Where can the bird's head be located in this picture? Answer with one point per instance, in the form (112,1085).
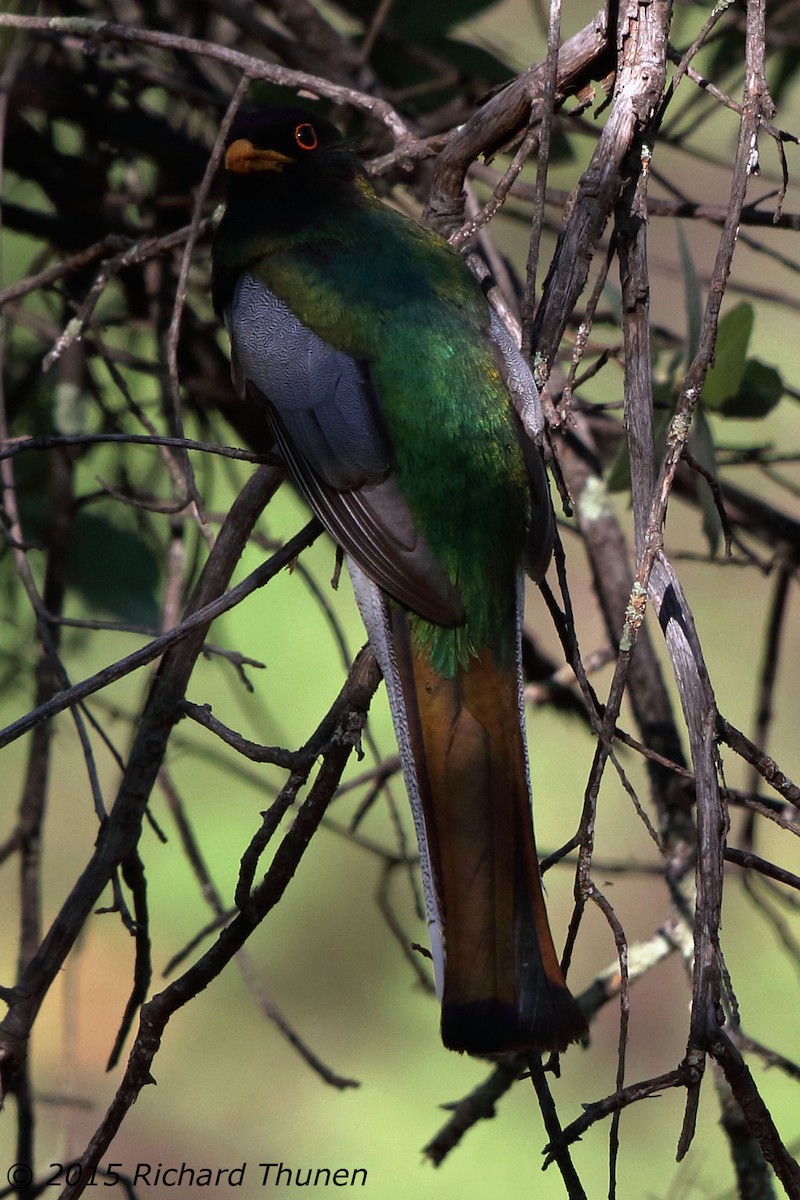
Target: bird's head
(299,146)
(288,171)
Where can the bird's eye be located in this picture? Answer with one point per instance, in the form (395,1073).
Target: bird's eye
(306,136)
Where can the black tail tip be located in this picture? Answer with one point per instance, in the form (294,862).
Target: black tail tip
(491,1026)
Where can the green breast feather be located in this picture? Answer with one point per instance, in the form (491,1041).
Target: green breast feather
(397,299)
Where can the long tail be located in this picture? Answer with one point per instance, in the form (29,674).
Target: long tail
(463,753)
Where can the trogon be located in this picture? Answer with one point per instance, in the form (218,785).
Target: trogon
(403,410)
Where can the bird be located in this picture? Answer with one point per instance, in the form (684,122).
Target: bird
(407,417)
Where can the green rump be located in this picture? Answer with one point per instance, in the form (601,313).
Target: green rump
(401,302)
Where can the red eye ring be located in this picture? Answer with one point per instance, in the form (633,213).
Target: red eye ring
(306,136)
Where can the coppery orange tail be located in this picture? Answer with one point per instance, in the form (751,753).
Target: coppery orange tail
(461,744)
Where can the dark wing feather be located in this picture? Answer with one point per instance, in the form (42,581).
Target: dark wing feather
(320,393)
(326,421)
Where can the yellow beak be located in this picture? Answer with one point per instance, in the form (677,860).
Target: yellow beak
(242,157)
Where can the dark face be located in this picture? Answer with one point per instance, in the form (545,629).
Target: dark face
(280,139)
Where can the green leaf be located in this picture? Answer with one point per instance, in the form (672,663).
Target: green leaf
(733,337)
(473,61)
(701,446)
(433,85)
(114,569)
(784,73)
(421,20)
(760,389)
(691,292)
(618,478)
